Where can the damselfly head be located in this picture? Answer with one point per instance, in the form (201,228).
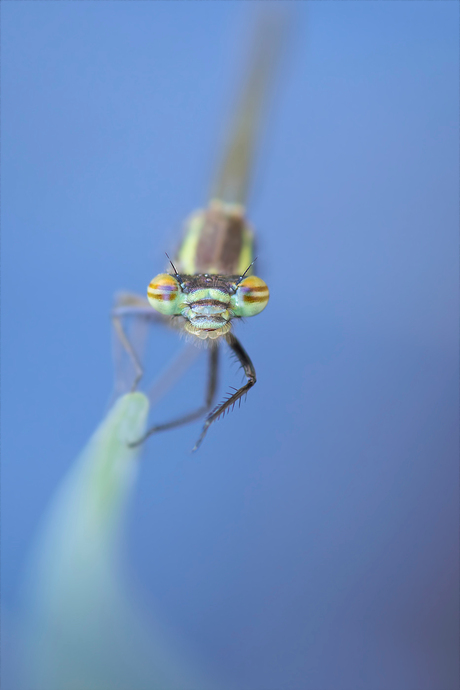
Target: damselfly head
(206,302)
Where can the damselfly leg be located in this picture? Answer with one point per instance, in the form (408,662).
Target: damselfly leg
(213,365)
(230,402)
(129,304)
(132,305)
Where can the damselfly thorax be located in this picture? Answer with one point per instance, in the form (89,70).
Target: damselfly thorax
(209,284)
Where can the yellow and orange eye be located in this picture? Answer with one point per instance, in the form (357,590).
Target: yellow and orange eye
(164,294)
(251,297)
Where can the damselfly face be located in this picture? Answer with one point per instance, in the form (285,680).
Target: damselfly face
(207,303)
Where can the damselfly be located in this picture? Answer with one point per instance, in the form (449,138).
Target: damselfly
(210,283)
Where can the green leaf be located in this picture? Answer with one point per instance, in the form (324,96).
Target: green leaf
(83,631)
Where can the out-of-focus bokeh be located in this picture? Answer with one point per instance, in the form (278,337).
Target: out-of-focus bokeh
(312,543)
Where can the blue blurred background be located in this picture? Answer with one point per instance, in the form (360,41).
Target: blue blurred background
(312,543)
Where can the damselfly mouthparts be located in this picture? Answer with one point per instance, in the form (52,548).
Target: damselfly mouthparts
(209,283)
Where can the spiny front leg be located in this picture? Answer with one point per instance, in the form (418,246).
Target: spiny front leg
(250,373)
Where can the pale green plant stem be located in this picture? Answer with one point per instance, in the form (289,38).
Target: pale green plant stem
(82,631)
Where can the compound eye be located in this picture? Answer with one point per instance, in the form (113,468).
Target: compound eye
(251,297)
(163,294)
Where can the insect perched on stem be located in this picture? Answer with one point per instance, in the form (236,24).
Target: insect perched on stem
(211,282)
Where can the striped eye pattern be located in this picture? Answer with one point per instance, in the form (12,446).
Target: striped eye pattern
(251,297)
(164,293)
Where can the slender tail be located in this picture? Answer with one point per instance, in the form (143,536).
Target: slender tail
(233,181)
